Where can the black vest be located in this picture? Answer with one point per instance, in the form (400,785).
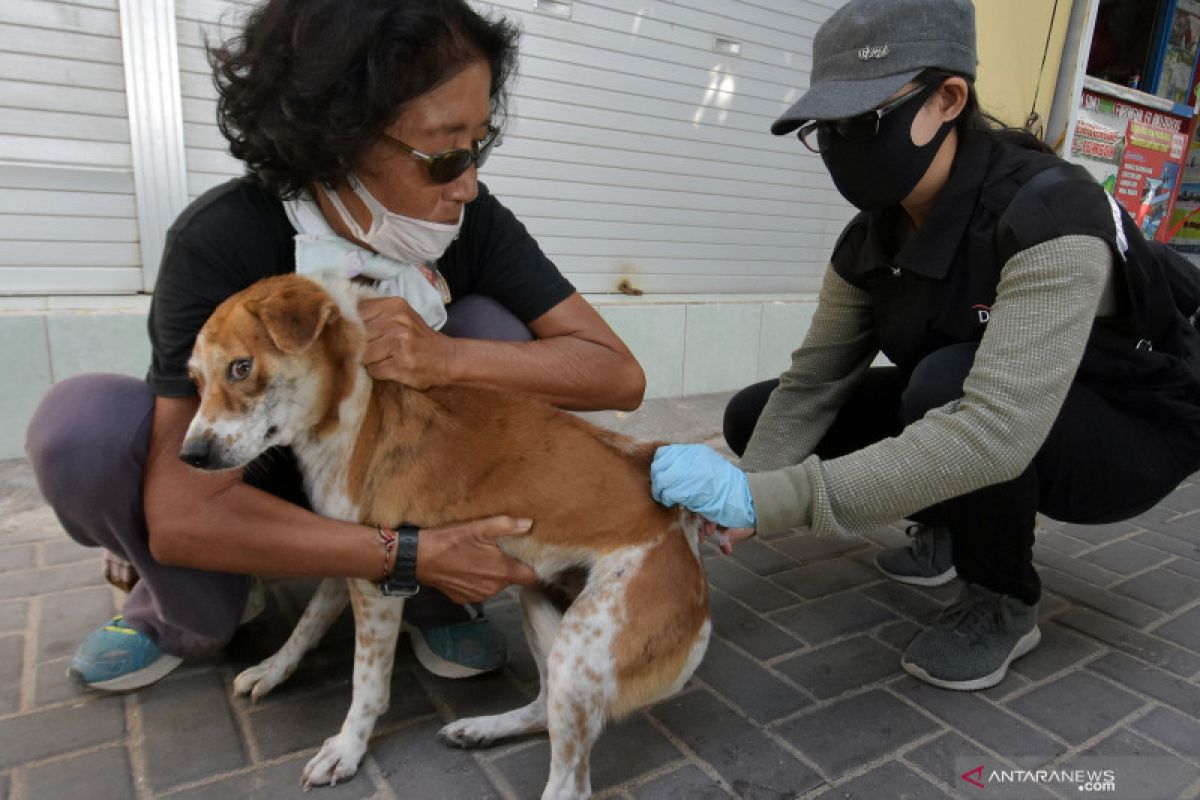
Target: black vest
(938,288)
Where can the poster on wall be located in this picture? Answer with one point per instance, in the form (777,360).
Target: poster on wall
(1179,53)
(1136,152)
(1185,218)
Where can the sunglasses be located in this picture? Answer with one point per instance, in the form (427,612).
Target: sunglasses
(448,165)
(864,127)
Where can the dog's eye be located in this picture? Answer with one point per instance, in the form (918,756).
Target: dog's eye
(239,368)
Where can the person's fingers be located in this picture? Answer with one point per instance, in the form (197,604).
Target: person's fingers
(502,525)
(520,573)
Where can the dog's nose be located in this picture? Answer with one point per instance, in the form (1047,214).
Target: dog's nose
(196,452)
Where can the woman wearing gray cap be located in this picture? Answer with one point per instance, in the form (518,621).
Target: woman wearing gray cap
(1044,356)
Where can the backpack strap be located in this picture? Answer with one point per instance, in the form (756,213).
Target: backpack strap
(1007,242)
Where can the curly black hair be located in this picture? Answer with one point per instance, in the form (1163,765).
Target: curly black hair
(308,85)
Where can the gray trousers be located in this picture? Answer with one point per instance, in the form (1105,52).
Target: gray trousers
(87,443)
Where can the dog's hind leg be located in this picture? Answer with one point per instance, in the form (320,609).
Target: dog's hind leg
(377,626)
(322,610)
(541,619)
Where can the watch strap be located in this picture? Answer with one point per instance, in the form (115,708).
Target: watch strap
(402,581)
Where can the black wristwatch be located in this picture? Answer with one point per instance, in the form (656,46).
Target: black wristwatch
(402,582)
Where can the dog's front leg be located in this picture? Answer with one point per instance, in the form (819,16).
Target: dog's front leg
(377,625)
(319,614)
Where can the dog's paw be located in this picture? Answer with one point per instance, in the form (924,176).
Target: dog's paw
(337,760)
(467,733)
(257,681)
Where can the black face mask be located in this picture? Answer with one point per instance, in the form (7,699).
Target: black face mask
(884,170)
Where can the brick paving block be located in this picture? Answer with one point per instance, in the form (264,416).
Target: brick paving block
(890,780)
(67,617)
(100,774)
(1126,557)
(848,733)
(749,761)
(994,728)
(190,732)
(493,693)
(754,634)
(51,684)
(944,595)
(1059,650)
(1011,683)
(304,721)
(1123,608)
(1139,676)
(760,558)
(1061,542)
(1116,634)
(1183,630)
(1184,499)
(1077,706)
(948,757)
(899,597)
(416,764)
(888,536)
(825,577)
(898,635)
(32,525)
(13,615)
(68,551)
(758,593)
(1183,529)
(1183,566)
(1162,588)
(12,660)
(822,620)
(1169,544)
(1075,567)
(1178,732)
(838,668)
(1145,770)
(688,783)
(745,683)
(1098,534)
(17,556)
(805,547)
(30,582)
(32,737)
(625,750)
(280,780)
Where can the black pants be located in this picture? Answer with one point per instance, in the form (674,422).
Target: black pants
(1100,463)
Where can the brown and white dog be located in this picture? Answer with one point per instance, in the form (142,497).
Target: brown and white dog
(279,364)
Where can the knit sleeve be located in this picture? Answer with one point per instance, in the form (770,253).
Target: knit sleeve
(1041,320)
(839,347)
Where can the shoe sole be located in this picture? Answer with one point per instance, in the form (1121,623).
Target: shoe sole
(916,580)
(161,667)
(434,663)
(1023,646)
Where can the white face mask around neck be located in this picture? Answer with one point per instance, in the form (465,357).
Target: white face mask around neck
(406,239)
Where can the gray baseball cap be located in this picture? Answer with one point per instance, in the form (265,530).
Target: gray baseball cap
(868,49)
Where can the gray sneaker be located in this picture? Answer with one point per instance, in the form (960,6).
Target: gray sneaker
(973,641)
(925,562)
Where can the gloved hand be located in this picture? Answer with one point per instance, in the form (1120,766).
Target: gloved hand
(696,477)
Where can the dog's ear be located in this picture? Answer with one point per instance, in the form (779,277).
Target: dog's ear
(295,316)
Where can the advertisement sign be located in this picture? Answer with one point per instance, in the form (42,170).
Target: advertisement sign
(1185,218)
(1136,152)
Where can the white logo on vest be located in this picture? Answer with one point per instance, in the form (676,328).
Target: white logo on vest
(868,52)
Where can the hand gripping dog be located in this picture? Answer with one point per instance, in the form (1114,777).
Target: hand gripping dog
(279,364)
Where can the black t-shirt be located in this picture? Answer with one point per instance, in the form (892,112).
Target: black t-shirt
(238,233)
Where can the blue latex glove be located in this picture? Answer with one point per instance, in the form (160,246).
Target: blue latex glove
(696,477)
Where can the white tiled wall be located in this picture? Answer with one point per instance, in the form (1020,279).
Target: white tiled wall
(685,346)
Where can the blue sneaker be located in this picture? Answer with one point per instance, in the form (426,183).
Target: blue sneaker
(118,658)
(459,650)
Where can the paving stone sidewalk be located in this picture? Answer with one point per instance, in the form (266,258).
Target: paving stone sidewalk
(800,695)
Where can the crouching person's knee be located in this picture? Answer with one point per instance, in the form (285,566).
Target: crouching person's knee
(87,441)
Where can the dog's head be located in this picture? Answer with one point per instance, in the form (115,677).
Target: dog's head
(271,364)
